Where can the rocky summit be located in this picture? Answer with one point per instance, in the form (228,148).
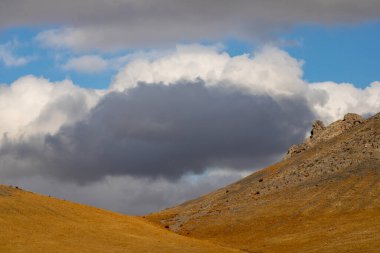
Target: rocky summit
(320,133)
(324,196)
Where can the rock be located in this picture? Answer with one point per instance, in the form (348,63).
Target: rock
(317,128)
(320,132)
(353,119)
(296,149)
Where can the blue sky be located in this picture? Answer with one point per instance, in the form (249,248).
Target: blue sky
(45,62)
(339,54)
(345,53)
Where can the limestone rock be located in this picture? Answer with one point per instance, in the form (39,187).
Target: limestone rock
(321,133)
(318,127)
(353,119)
(296,149)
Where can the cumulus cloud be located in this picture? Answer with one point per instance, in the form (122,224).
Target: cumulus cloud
(156,130)
(130,23)
(33,105)
(269,71)
(345,97)
(86,64)
(192,110)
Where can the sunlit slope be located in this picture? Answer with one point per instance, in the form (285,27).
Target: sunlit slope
(325,199)
(34,223)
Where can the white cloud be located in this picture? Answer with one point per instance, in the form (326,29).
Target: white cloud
(61,38)
(9,58)
(86,64)
(34,105)
(269,71)
(345,97)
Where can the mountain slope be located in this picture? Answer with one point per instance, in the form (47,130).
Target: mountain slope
(323,197)
(34,223)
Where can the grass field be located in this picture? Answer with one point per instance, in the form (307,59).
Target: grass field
(34,223)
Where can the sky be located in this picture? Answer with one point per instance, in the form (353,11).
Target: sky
(135,106)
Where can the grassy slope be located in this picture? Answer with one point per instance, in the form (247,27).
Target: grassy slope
(35,223)
(324,200)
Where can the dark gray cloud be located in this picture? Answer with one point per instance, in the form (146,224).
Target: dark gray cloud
(157,131)
(132,23)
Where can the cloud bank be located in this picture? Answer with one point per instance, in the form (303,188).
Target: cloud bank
(166,120)
(119,24)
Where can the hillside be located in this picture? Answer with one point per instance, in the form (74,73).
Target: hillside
(34,223)
(324,196)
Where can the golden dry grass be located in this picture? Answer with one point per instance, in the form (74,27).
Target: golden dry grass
(326,199)
(35,223)
(338,215)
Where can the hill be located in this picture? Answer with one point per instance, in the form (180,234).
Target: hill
(324,196)
(34,223)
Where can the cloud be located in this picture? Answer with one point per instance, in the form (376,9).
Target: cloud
(131,195)
(345,97)
(164,121)
(9,58)
(61,38)
(34,105)
(86,64)
(268,71)
(38,114)
(167,131)
(134,24)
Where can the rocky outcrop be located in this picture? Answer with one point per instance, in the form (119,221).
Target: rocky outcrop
(317,128)
(321,133)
